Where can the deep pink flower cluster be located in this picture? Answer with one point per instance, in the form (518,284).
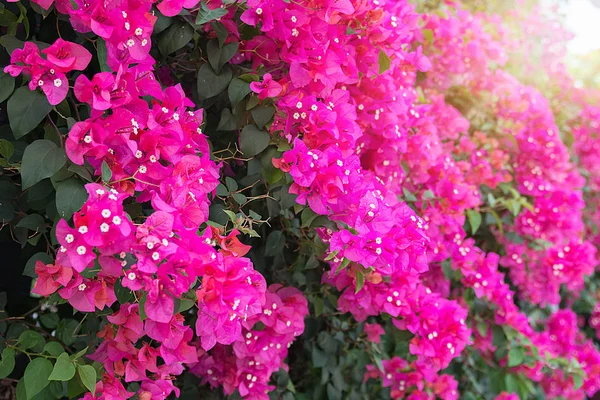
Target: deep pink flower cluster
(407,383)
(257,353)
(156,152)
(49,74)
(342,119)
(364,142)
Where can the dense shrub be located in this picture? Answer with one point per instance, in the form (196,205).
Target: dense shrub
(328,199)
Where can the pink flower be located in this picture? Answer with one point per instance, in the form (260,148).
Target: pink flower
(67,56)
(50,278)
(374,332)
(96,92)
(267,88)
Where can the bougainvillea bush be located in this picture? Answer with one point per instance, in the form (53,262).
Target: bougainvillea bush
(311,199)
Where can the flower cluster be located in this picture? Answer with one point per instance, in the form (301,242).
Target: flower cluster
(445,181)
(49,73)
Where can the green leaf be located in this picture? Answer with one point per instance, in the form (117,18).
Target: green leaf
(175,37)
(210,84)
(239,198)
(30,265)
(275,243)
(31,340)
(262,115)
(408,195)
(33,222)
(360,280)
(474,220)
(63,370)
(87,373)
(221,30)
(70,196)
(53,348)
(205,14)
(26,109)
(7,85)
(232,185)
(36,376)
(49,320)
(142,307)
(41,160)
(512,383)
(319,358)
(81,170)
(319,305)
(345,262)
(106,172)
(238,89)
(253,140)
(80,353)
(185,305)
(7,364)
(7,149)
(162,22)
(577,380)
(102,55)
(227,121)
(516,355)
(65,331)
(219,56)
(384,62)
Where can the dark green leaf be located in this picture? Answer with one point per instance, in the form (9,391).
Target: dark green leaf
(81,170)
(262,115)
(221,30)
(162,22)
(6,148)
(33,222)
(64,369)
(238,89)
(87,373)
(50,320)
(239,198)
(106,172)
(185,305)
(210,84)
(275,243)
(227,121)
(70,196)
(7,364)
(36,376)
(319,358)
(65,331)
(41,160)
(205,14)
(360,280)
(7,85)
(26,109)
(218,56)
(175,37)
(7,18)
(102,55)
(253,140)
